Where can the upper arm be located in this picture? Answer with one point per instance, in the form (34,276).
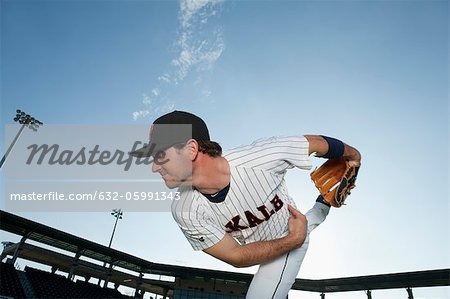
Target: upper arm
(275,154)
(226,250)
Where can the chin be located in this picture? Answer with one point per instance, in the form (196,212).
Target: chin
(176,184)
(172,184)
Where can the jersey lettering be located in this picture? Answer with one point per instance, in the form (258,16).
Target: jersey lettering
(252,219)
(263,210)
(233,225)
(277,203)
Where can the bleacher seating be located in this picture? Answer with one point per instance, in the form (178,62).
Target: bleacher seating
(10,285)
(92,291)
(48,285)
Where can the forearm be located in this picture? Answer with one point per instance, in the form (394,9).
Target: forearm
(264,251)
(319,146)
(235,254)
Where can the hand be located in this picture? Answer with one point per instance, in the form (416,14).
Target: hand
(297,226)
(353,156)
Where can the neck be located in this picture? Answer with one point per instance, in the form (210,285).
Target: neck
(210,175)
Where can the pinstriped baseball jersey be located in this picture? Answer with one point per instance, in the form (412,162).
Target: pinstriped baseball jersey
(255,207)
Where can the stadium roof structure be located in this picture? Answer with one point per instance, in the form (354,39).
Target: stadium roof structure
(56,238)
(81,247)
(429,278)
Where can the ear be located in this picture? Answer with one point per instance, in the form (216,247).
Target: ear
(192,146)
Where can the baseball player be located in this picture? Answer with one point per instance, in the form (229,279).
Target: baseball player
(235,206)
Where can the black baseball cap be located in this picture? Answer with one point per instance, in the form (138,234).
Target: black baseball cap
(170,129)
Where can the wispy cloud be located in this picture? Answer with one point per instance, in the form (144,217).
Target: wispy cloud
(199,45)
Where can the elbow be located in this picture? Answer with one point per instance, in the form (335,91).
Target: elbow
(238,265)
(237,262)
(243,265)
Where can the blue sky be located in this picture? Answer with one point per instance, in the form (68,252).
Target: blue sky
(372,73)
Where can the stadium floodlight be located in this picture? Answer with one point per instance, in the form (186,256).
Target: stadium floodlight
(25,120)
(117,213)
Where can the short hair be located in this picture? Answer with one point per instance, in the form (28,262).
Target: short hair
(211,148)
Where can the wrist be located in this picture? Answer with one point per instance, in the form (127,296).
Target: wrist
(295,240)
(289,242)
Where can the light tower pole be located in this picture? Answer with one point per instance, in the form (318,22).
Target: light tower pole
(117,213)
(25,120)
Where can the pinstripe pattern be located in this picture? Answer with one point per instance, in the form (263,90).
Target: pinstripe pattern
(257,181)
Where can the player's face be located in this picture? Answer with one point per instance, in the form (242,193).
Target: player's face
(174,166)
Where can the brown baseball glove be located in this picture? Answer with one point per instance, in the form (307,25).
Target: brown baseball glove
(335,179)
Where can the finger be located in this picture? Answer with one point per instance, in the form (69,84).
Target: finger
(294,212)
(354,163)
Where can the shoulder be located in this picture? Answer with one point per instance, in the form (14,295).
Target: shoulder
(268,142)
(189,206)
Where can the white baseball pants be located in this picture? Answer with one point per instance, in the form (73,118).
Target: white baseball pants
(273,280)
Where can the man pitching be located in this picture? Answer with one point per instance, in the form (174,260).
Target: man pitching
(235,206)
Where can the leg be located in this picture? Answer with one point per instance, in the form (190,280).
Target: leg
(274,279)
(316,215)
